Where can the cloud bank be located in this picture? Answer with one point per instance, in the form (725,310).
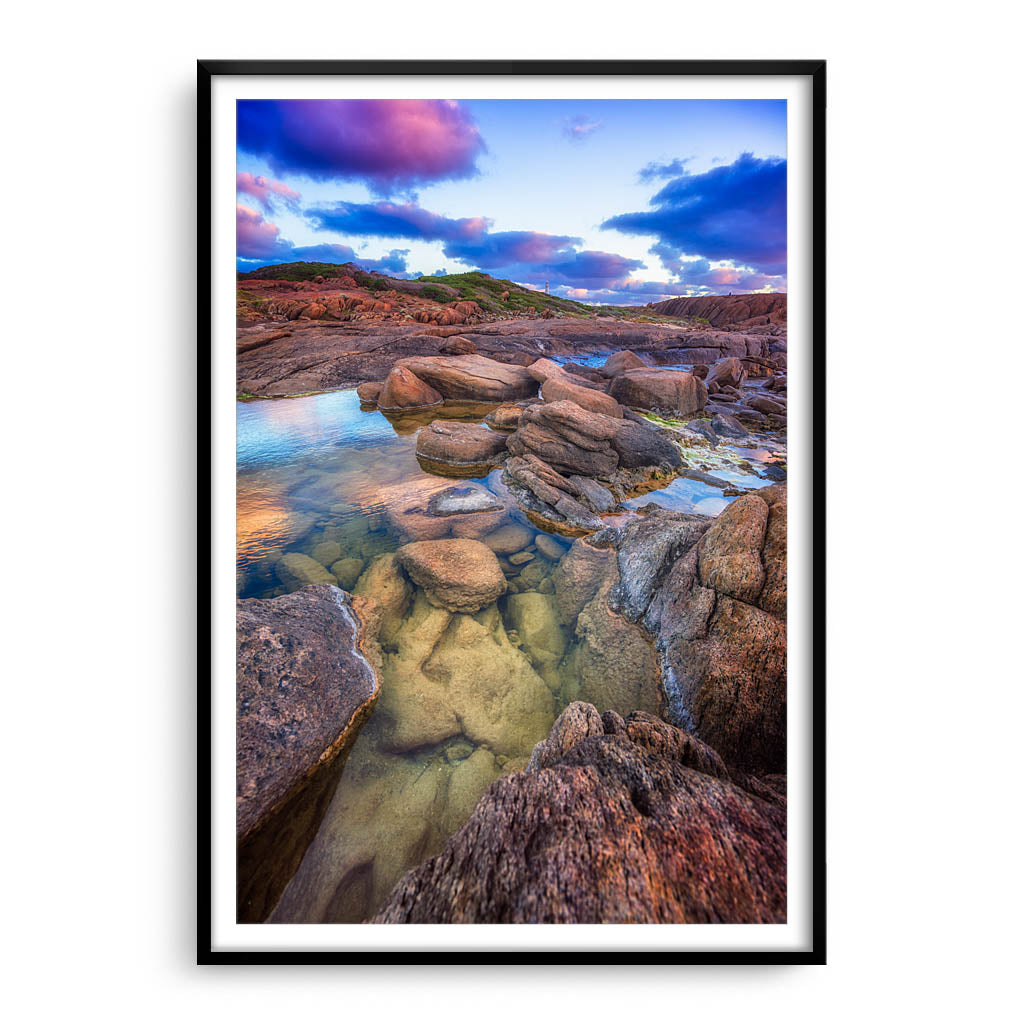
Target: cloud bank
(392,145)
(259,244)
(736,212)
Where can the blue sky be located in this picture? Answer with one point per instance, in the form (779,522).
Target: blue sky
(610,201)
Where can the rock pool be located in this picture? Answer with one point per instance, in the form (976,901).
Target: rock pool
(327,492)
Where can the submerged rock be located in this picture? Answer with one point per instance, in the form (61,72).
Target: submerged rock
(296,570)
(467,498)
(459,575)
(620,820)
(303,690)
(347,571)
(534,617)
(509,539)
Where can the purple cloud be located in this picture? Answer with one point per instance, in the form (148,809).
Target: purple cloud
(389,220)
(586,269)
(650,172)
(502,248)
(578,128)
(259,244)
(266,191)
(736,212)
(392,145)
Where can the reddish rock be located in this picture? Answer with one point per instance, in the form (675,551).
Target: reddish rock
(303,690)
(402,389)
(458,346)
(458,575)
(618,821)
(472,377)
(722,310)
(567,437)
(727,372)
(719,616)
(505,417)
(369,391)
(671,391)
(620,361)
(560,388)
(460,444)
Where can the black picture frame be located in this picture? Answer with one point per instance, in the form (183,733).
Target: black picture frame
(815,70)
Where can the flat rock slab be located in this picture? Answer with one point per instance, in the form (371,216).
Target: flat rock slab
(472,377)
(454,443)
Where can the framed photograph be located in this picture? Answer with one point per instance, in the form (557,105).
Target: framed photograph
(509,652)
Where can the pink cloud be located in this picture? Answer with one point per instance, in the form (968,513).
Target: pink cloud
(265,190)
(256,238)
(393,145)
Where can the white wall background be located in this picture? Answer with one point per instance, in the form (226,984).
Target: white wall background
(924,516)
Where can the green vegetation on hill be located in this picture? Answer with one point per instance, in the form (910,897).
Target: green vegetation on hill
(486,292)
(299,272)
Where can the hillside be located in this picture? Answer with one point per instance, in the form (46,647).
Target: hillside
(345,291)
(727,310)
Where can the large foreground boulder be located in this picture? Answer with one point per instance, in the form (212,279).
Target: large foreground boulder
(712,594)
(303,691)
(458,575)
(672,391)
(616,821)
(472,377)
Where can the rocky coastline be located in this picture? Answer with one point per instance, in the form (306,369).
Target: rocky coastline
(570,706)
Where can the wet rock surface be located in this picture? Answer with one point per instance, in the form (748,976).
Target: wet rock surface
(303,690)
(451,443)
(619,819)
(459,575)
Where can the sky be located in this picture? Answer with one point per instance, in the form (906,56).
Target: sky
(605,201)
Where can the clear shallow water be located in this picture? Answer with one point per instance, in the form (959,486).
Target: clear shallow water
(464,698)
